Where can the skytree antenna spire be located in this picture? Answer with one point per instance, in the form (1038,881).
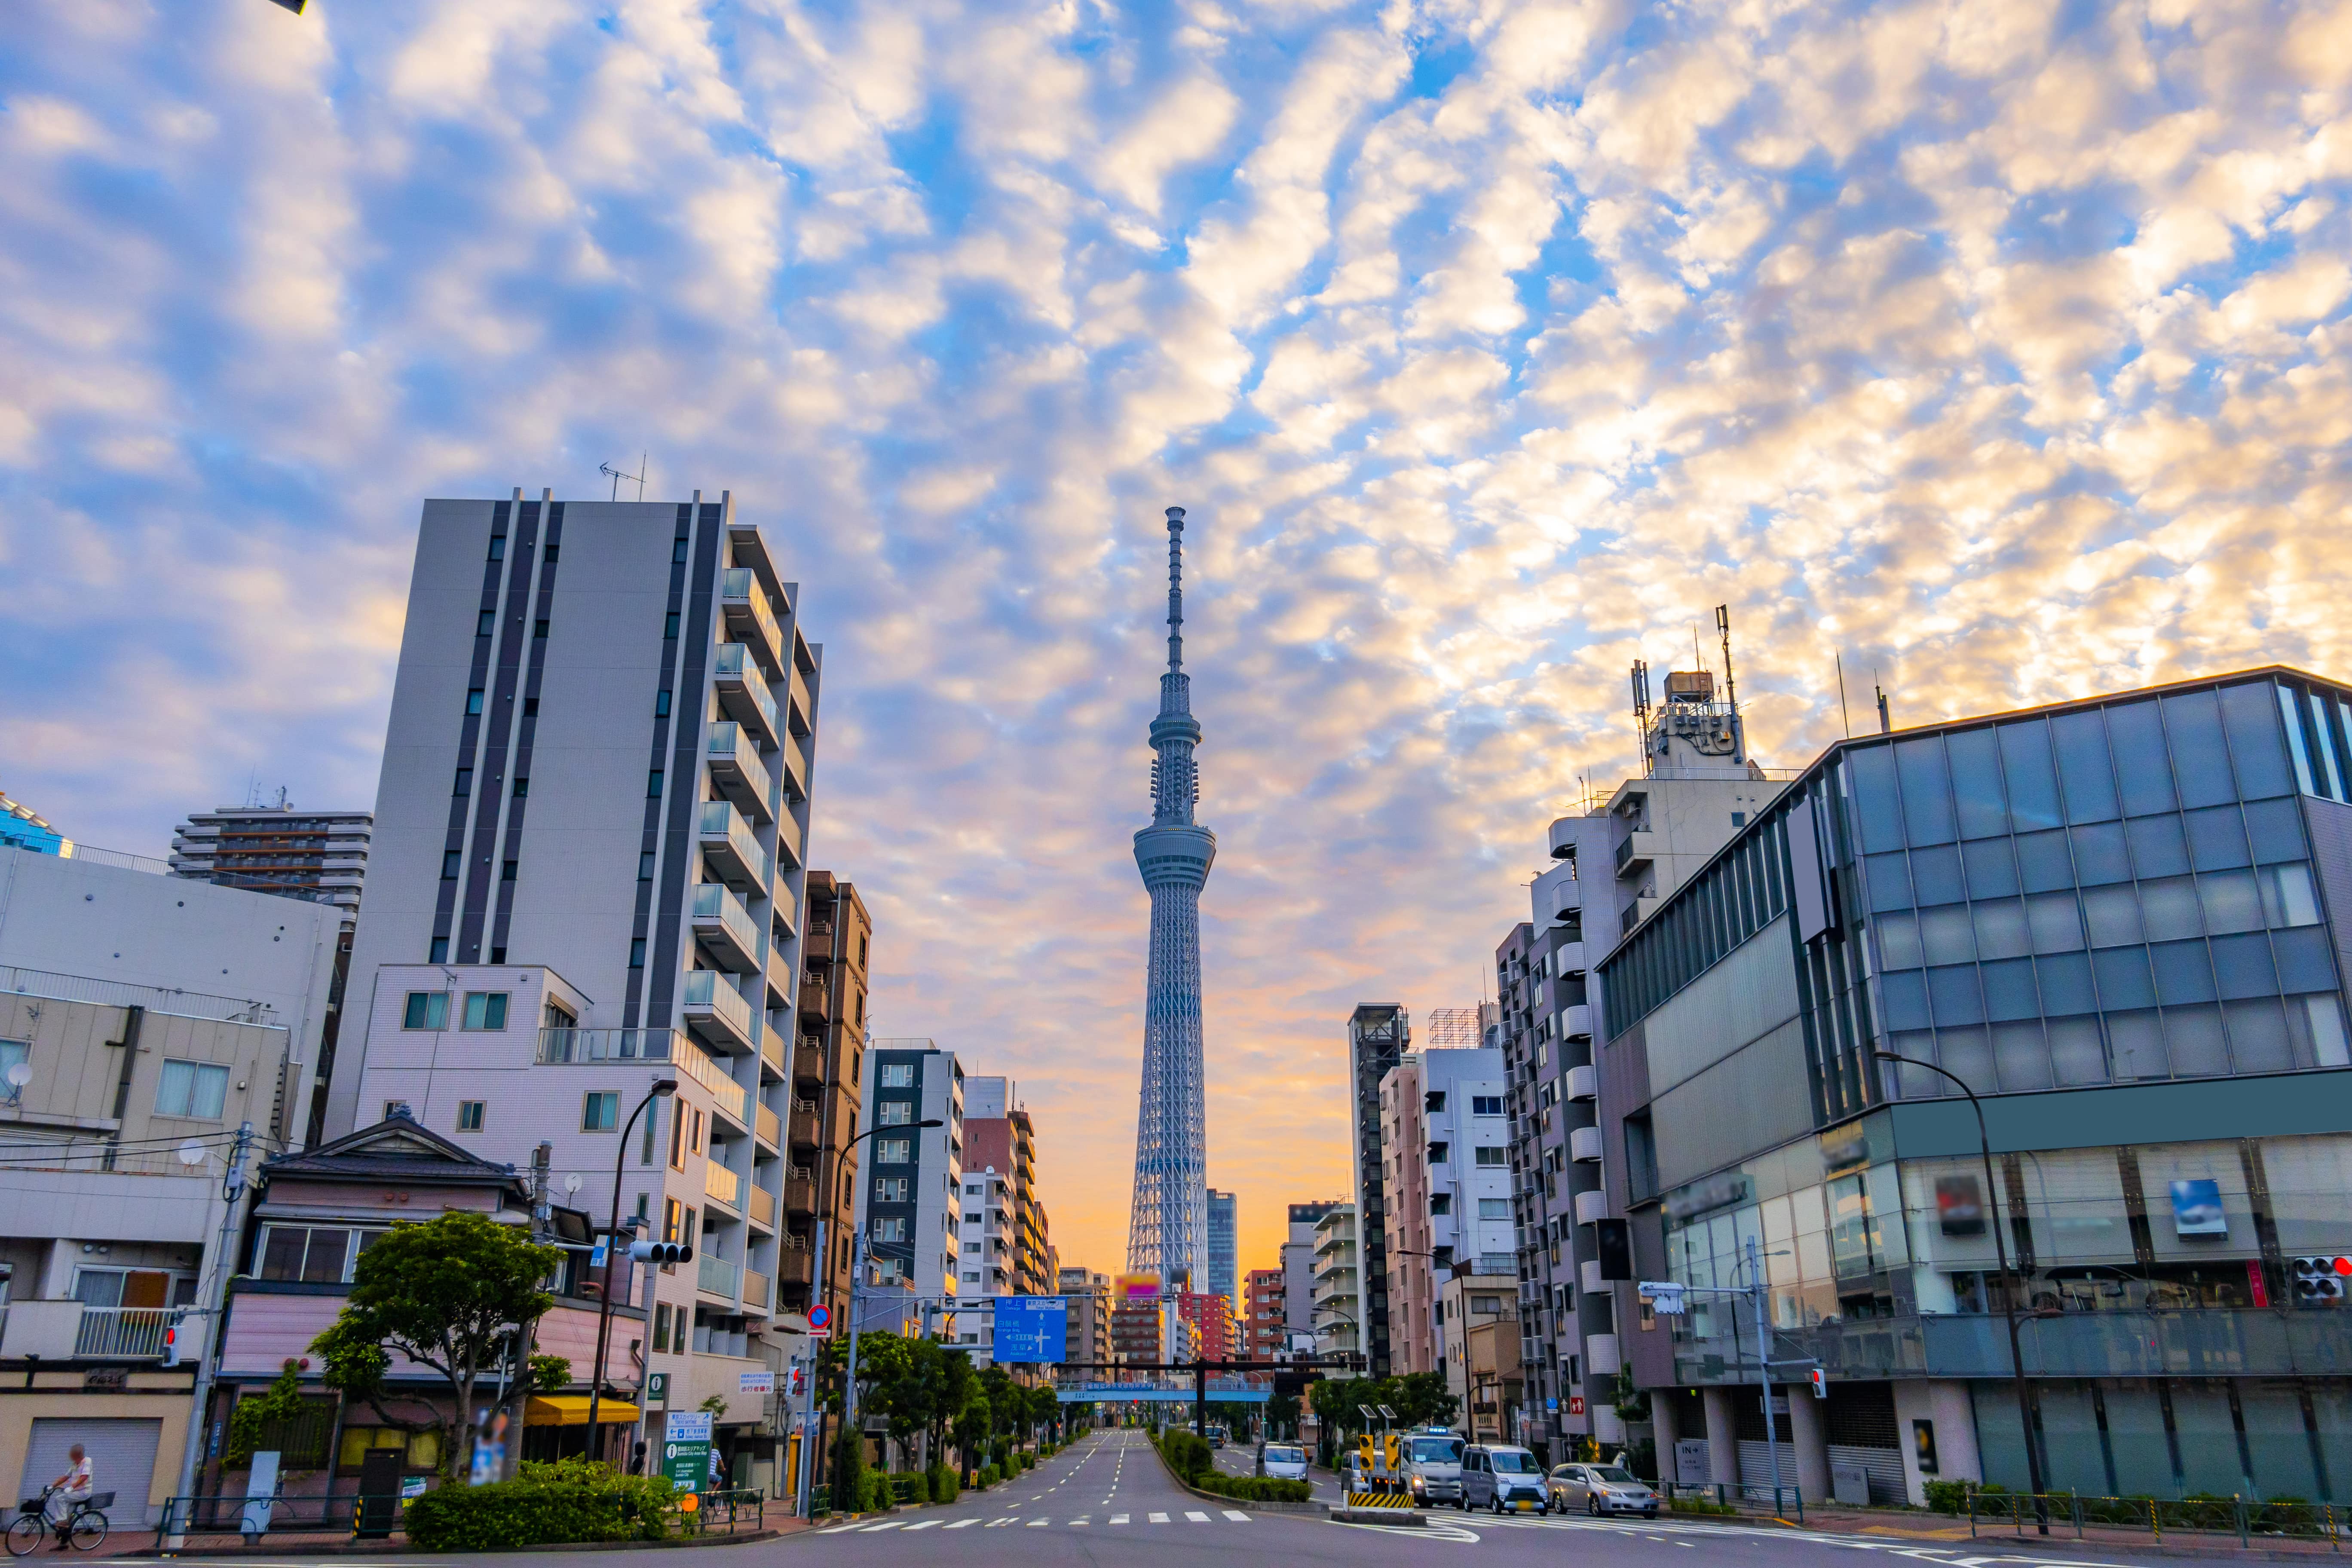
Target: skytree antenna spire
(1167,1228)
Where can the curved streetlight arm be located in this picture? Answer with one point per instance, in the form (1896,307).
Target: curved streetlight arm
(2009,1284)
(662,1089)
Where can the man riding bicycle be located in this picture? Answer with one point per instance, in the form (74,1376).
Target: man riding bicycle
(70,1489)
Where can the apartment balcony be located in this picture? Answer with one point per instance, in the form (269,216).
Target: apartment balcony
(717,1275)
(1570,957)
(1602,1359)
(726,1095)
(801,1129)
(785,911)
(788,842)
(588,1048)
(799,708)
(1592,1207)
(749,617)
(760,1207)
(1576,1021)
(731,849)
(721,1186)
(1637,852)
(755,1289)
(726,928)
(800,1189)
(1583,1083)
(772,1057)
(743,692)
(718,1014)
(814,1001)
(1585,1145)
(767,1128)
(808,1062)
(737,770)
(795,1266)
(122,1333)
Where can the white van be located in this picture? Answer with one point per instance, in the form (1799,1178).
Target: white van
(1504,1478)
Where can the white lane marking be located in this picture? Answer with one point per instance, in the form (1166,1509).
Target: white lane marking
(963,1524)
(1118,1518)
(878,1528)
(1235,1513)
(925,1525)
(1039,1523)
(1158,1518)
(1082,1522)
(1196,1517)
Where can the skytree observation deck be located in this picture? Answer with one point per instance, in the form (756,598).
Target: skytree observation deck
(1168,1230)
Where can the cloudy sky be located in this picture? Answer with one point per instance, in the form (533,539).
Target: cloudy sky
(1999,347)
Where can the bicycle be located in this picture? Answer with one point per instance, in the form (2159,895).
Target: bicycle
(83,1527)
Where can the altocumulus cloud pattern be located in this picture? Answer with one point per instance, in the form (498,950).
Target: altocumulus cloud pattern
(1998,345)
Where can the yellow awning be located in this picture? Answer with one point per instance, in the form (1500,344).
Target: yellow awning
(572,1410)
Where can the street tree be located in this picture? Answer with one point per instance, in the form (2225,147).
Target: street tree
(460,1295)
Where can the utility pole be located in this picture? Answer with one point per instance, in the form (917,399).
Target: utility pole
(1764,1366)
(214,1312)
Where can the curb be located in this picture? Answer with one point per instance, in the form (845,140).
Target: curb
(1395,1518)
(683,1542)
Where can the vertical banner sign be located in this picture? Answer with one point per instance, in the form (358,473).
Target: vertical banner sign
(685,1449)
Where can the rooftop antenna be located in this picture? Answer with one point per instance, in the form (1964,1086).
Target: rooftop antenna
(1723,625)
(1840,659)
(638,478)
(1885,723)
(1640,678)
(281,799)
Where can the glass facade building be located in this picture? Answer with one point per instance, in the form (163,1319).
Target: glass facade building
(2124,923)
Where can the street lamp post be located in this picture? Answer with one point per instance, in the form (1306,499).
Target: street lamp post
(667,1086)
(2009,1286)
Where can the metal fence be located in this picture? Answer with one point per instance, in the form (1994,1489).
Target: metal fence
(2246,1518)
(114,1333)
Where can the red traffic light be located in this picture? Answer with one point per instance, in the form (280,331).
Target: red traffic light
(2342,1266)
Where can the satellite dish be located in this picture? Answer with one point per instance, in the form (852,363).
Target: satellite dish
(571,1182)
(20,1073)
(191,1152)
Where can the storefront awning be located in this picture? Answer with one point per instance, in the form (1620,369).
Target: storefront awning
(572,1410)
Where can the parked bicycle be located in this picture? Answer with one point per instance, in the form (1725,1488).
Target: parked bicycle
(83,1527)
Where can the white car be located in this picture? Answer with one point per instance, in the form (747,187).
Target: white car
(1282,1462)
(1504,1478)
(1601,1490)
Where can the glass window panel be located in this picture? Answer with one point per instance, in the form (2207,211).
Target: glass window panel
(1927,790)
(2083,768)
(2276,1438)
(2242,966)
(2233,902)
(1976,783)
(2303,961)
(2137,733)
(1888,877)
(2295,748)
(1898,942)
(2324,733)
(2209,1439)
(2045,862)
(2168,909)
(2009,993)
(2192,1037)
(2076,1052)
(281,1254)
(1991,867)
(2123,977)
(329,1251)
(2258,1037)
(1916,1082)
(1955,994)
(2183,972)
(2314,1027)
(2201,754)
(2288,896)
(2066,984)
(2135,1044)
(1875,803)
(2217,838)
(2099,854)
(2056,922)
(2070,1437)
(2158,850)
(2136,1438)
(2002,931)
(2250,715)
(1935,876)
(2276,829)
(1944,934)
(1905,994)
(2113,915)
(2026,768)
(2075,1205)
(1966,1054)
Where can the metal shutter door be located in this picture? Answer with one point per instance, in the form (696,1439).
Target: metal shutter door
(121,1460)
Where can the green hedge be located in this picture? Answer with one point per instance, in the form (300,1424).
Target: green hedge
(944,1485)
(545,1505)
(1253,1488)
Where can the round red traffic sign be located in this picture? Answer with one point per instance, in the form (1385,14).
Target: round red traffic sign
(820,1316)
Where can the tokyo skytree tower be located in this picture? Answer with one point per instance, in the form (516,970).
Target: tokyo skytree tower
(1168,1230)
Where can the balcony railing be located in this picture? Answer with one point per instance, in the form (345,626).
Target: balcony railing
(743,690)
(731,848)
(788,842)
(768,1129)
(724,1092)
(719,1183)
(783,910)
(578,1047)
(718,1276)
(736,768)
(800,708)
(795,764)
(746,604)
(725,927)
(120,1332)
(755,1288)
(717,1011)
(762,1207)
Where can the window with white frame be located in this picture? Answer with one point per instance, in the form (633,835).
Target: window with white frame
(891,1189)
(897,1075)
(893,1151)
(194,1089)
(894,1113)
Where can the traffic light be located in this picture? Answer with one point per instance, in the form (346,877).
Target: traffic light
(1393,1444)
(1820,1382)
(1364,1452)
(661,1252)
(2318,1279)
(171,1345)
(1294,1384)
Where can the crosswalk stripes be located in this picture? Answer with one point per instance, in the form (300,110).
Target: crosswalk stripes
(1238,1517)
(1943,1556)
(1121,1519)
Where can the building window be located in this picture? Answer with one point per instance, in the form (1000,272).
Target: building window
(1440,1152)
(522,786)
(488,625)
(1490,1154)
(674,1219)
(531,704)
(677,552)
(888,1270)
(694,1132)
(669,625)
(637,952)
(194,1089)
(450,859)
(661,704)
(469,1116)
(464,782)
(438,951)
(644,866)
(1492,1105)
(890,1190)
(600,1111)
(1493,1208)
(425,1010)
(677,1114)
(652,783)
(497,547)
(894,1113)
(485,1009)
(312,1255)
(507,872)
(1441,1204)
(889,1228)
(1500,1263)
(897,1075)
(538,628)
(893,1151)
(661,1326)
(473,701)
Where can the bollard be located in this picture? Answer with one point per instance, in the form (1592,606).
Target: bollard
(2238,1507)
(2155,1523)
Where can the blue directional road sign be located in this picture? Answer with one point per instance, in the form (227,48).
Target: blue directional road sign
(1030,1327)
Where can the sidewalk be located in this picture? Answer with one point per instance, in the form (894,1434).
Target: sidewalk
(776,1521)
(1994,1532)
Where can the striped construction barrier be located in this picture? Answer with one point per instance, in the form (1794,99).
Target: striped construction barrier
(1380,1500)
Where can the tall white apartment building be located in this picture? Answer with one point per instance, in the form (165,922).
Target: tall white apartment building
(586,876)
(1447,1143)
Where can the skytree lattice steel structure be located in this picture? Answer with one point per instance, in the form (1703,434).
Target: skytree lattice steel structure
(1168,1230)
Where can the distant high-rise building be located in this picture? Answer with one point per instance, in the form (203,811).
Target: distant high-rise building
(1211,1318)
(1442,1121)
(1224,1249)
(911,1203)
(1338,1297)
(1000,1136)
(1265,1336)
(828,1074)
(1377,1038)
(22,828)
(1086,1334)
(1167,1232)
(316,855)
(1298,1265)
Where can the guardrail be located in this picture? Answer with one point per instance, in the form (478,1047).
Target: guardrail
(333,1512)
(2234,1515)
(123,1332)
